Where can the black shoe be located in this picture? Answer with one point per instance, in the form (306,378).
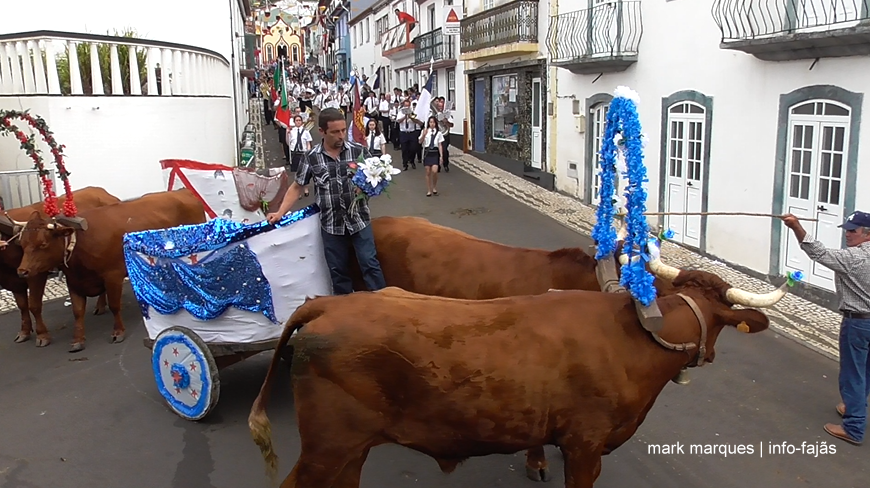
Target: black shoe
(413,166)
(446,168)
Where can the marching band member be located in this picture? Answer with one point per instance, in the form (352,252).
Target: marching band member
(384,114)
(445,123)
(394,125)
(299,140)
(343,100)
(409,132)
(375,141)
(431,140)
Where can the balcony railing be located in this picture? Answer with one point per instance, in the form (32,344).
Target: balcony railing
(62,63)
(604,38)
(433,45)
(398,38)
(779,30)
(511,22)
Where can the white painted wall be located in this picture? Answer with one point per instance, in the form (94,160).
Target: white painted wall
(745,94)
(119,145)
(459,99)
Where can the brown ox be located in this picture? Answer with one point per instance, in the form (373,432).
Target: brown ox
(10,258)
(460,378)
(96,265)
(421,257)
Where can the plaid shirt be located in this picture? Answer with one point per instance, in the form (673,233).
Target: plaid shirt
(851,267)
(333,190)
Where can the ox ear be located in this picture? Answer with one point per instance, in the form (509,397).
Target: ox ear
(34,216)
(745,319)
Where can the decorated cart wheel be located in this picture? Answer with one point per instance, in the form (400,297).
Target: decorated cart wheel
(185,371)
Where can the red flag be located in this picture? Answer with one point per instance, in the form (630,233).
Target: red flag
(359,114)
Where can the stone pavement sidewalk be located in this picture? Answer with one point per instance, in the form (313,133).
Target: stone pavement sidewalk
(808,323)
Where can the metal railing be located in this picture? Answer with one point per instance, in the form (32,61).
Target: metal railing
(433,45)
(20,188)
(754,19)
(511,22)
(613,28)
(64,63)
(398,38)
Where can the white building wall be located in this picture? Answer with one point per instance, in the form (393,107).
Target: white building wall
(365,51)
(117,142)
(680,51)
(459,96)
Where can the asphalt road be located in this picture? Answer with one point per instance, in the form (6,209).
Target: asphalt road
(95,419)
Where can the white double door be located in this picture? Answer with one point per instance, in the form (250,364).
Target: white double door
(815,182)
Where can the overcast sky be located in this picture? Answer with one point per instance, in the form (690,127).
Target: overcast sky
(160,20)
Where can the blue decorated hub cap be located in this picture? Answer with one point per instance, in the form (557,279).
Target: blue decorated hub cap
(181,374)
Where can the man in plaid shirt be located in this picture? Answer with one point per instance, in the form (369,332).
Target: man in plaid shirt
(851,267)
(342,225)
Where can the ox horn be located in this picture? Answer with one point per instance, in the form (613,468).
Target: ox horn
(662,270)
(749,299)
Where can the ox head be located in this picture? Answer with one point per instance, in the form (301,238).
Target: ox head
(44,242)
(716,300)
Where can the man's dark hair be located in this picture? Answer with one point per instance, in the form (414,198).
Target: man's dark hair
(328,115)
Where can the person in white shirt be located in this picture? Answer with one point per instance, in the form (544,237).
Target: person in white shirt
(409,133)
(445,123)
(299,140)
(371,105)
(343,100)
(384,114)
(431,140)
(375,141)
(394,126)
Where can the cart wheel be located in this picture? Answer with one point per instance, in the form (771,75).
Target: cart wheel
(186,373)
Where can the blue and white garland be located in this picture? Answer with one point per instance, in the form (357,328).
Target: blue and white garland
(623,136)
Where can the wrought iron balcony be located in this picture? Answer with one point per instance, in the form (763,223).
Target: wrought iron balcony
(781,30)
(433,45)
(509,23)
(600,39)
(398,38)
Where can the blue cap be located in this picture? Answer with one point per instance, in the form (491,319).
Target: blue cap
(856,220)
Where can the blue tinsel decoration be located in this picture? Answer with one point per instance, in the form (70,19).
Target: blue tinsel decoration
(229,276)
(635,277)
(603,233)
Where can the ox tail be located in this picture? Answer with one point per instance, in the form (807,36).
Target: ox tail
(258,421)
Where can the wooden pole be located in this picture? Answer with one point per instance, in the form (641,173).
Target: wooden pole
(747,214)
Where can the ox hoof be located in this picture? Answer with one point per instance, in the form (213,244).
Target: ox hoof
(77,346)
(118,338)
(99,310)
(538,474)
(43,341)
(22,337)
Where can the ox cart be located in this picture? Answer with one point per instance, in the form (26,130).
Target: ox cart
(217,293)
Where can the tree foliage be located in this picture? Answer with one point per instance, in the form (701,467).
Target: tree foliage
(83,52)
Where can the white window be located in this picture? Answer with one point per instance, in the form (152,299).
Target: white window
(815,180)
(488,4)
(685,163)
(368,31)
(505,126)
(432,22)
(381,26)
(353,35)
(598,116)
(451,85)
(270,53)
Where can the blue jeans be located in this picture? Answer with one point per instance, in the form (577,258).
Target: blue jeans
(854,372)
(337,251)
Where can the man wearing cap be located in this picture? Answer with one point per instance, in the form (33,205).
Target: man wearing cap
(851,267)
